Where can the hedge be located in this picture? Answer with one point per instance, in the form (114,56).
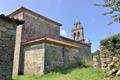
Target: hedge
(112,43)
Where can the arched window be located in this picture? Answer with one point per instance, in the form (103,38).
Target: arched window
(74,36)
(78,36)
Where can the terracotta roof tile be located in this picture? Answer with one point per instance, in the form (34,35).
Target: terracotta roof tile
(51,40)
(88,44)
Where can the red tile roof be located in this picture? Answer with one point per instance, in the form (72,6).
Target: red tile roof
(51,40)
(88,44)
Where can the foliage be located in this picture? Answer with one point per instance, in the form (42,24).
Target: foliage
(96,53)
(112,43)
(86,73)
(114,6)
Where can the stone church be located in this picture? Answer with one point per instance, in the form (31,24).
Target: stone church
(40,48)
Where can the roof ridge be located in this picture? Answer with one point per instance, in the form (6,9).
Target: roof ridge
(22,8)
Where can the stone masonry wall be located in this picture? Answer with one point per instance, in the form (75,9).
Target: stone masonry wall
(85,52)
(45,57)
(60,57)
(106,59)
(7,42)
(96,61)
(36,27)
(85,49)
(53,57)
(34,59)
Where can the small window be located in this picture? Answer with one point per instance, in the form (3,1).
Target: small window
(74,36)
(78,36)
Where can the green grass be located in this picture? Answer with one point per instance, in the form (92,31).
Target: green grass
(87,73)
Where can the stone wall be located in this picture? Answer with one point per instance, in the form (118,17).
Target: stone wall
(96,61)
(7,42)
(59,57)
(85,48)
(106,58)
(36,27)
(108,61)
(85,52)
(34,59)
(53,57)
(45,57)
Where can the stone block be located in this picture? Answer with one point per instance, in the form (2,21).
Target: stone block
(11,32)
(10,26)
(0,34)
(118,73)
(3,29)
(112,72)
(104,65)
(115,59)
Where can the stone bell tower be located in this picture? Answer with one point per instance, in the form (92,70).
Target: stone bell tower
(78,32)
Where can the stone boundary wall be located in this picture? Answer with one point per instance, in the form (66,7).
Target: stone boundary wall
(7,42)
(96,61)
(106,58)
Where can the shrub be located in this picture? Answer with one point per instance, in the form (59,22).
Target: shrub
(112,43)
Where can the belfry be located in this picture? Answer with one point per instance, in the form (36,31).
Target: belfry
(78,32)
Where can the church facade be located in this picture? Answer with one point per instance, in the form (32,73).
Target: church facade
(40,48)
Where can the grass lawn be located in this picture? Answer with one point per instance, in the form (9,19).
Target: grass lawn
(87,73)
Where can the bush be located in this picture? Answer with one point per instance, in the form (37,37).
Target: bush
(112,43)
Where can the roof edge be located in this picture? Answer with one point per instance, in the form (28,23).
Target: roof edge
(34,13)
(87,44)
(51,40)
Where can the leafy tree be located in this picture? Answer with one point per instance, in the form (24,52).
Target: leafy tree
(97,52)
(114,12)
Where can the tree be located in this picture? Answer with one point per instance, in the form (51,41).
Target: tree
(97,52)
(114,12)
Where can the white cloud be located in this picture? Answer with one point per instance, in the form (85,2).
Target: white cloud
(63,33)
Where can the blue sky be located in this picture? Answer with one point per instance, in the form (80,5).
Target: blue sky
(67,12)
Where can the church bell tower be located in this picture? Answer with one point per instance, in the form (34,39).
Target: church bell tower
(78,32)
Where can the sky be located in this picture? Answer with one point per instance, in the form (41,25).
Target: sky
(67,12)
